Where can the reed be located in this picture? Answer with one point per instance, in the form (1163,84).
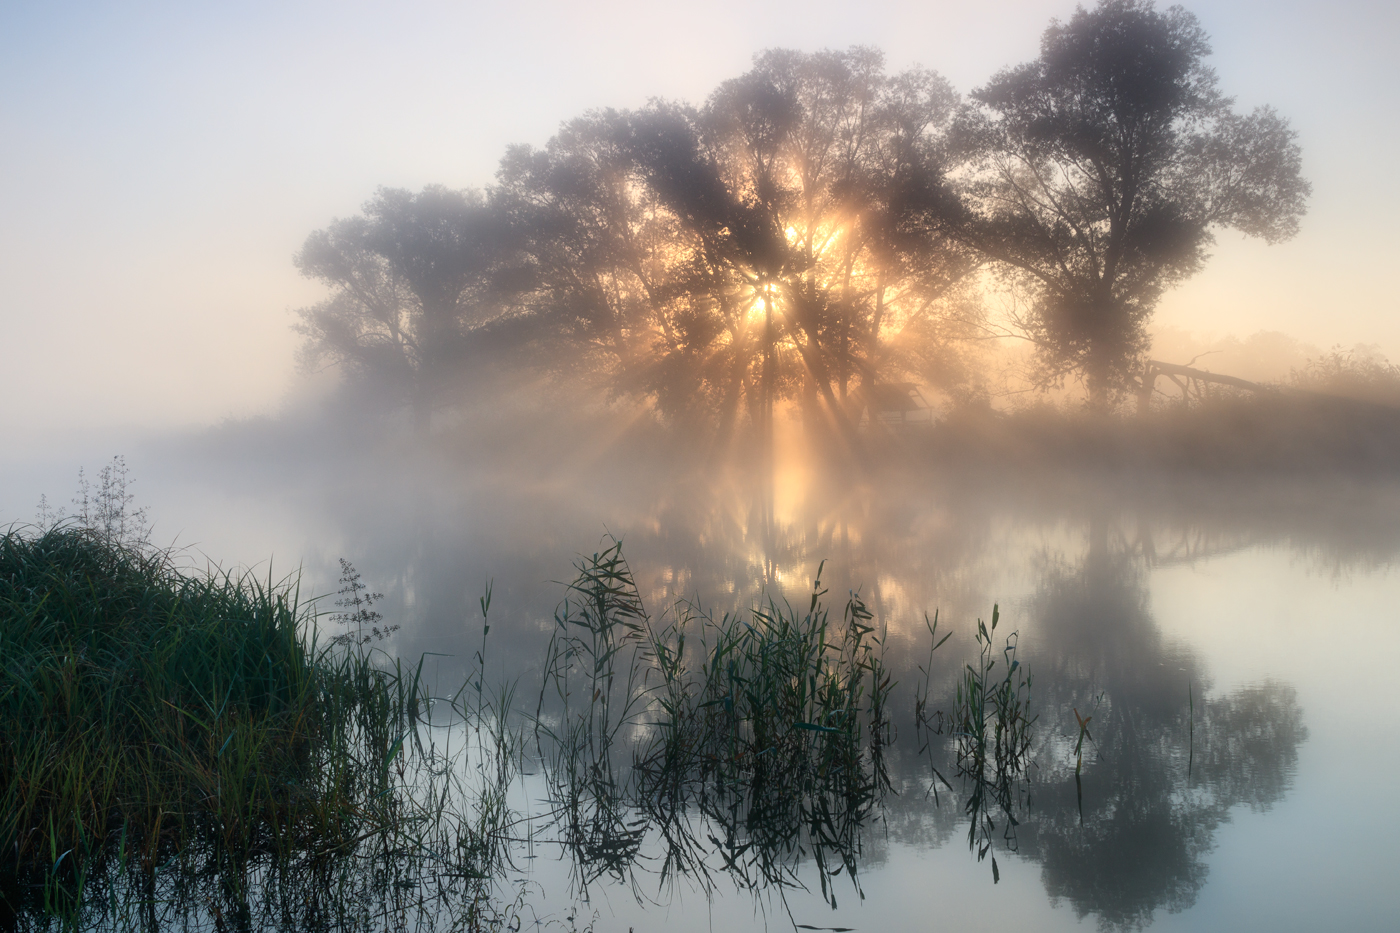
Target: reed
(165,731)
(769,724)
(989,724)
(185,750)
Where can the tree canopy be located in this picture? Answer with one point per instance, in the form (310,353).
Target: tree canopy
(1102,168)
(813,229)
(408,279)
(776,242)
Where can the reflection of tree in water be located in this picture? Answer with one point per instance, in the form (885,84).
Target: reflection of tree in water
(1168,764)
(1152,799)
(1146,824)
(1127,837)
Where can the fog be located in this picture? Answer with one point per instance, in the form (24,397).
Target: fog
(461,297)
(162,165)
(496,326)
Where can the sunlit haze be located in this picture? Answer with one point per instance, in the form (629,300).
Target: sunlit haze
(972,432)
(161,163)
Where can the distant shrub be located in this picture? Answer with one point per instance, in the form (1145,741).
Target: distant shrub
(1361,373)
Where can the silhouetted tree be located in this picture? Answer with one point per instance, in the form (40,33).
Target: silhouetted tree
(409,277)
(1105,165)
(775,241)
(804,178)
(602,256)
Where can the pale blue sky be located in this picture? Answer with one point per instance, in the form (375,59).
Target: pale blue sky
(161,162)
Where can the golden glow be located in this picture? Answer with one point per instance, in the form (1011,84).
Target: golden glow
(823,237)
(763,295)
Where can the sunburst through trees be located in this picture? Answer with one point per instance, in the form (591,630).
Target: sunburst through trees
(815,228)
(783,241)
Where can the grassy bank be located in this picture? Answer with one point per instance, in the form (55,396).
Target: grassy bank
(173,741)
(178,749)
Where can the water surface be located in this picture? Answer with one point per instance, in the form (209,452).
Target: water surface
(1230,637)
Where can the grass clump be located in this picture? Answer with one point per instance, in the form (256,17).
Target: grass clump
(756,738)
(137,699)
(178,739)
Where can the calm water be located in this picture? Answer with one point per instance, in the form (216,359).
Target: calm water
(1233,641)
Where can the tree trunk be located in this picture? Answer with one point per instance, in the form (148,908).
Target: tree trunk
(1145,388)
(1096,377)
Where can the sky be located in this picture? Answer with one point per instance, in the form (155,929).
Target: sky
(161,163)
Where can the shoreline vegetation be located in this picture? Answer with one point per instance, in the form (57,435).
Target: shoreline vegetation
(175,742)
(1274,433)
(207,750)
(185,747)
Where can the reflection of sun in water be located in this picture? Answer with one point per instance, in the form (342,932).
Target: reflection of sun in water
(791,473)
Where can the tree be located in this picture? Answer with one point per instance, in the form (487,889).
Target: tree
(802,178)
(410,277)
(601,258)
(1104,167)
(773,243)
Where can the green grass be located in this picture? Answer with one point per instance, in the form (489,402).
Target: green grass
(137,698)
(178,747)
(161,729)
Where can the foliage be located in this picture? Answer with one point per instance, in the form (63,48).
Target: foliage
(173,742)
(1104,165)
(1360,373)
(815,228)
(775,243)
(410,277)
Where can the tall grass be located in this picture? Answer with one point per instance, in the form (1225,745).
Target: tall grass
(162,731)
(139,699)
(768,725)
(181,748)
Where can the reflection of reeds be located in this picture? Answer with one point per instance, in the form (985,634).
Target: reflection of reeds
(173,739)
(990,725)
(770,727)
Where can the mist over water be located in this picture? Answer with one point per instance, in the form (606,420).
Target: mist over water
(814,327)
(1208,621)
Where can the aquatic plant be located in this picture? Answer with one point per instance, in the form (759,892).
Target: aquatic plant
(767,725)
(173,737)
(182,742)
(990,723)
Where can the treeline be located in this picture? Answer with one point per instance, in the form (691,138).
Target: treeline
(819,226)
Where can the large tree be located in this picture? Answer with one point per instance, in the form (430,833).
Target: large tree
(802,178)
(1105,165)
(602,259)
(773,243)
(410,277)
